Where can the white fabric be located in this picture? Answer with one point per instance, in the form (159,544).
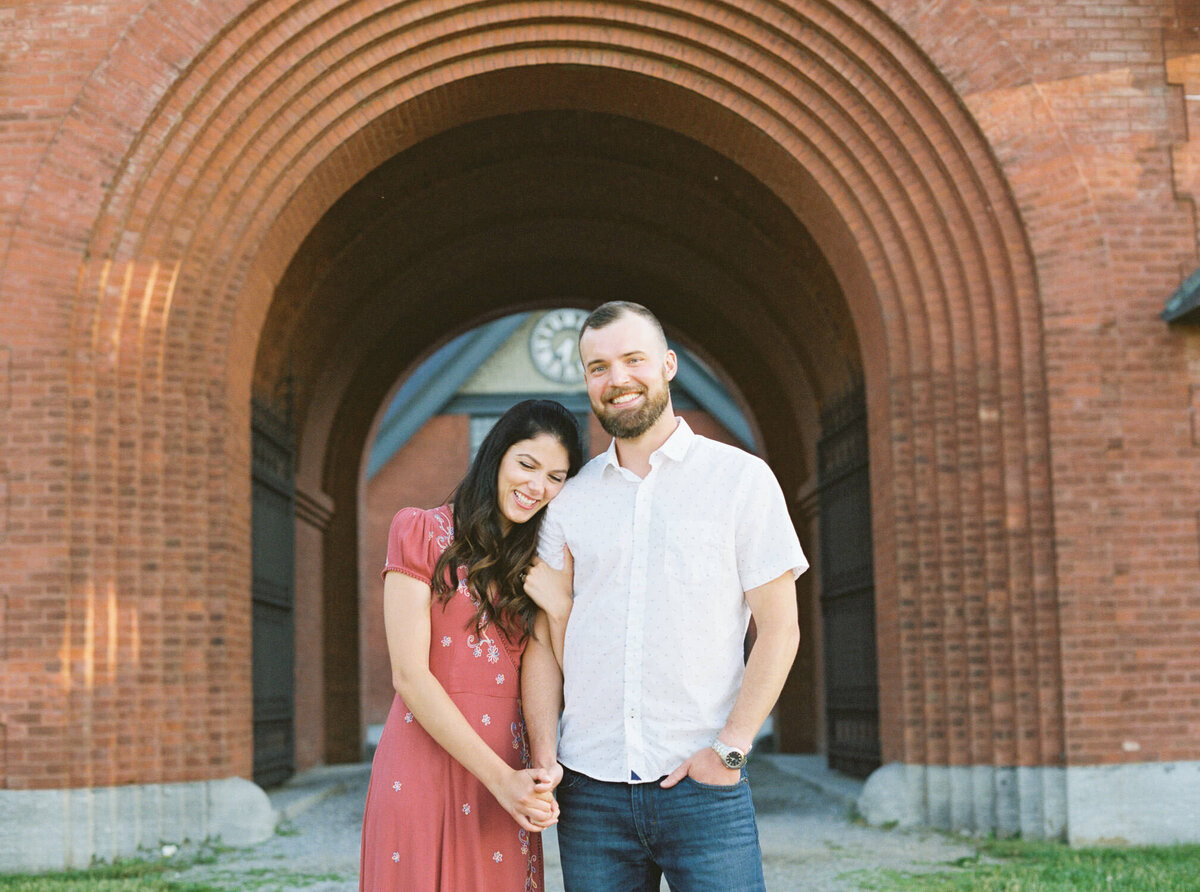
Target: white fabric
(653,658)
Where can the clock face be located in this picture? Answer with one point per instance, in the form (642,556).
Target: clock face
(554,345)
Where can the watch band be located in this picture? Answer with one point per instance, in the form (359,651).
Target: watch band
(732,756)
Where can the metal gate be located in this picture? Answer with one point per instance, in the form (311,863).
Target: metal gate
(848,587)
(273,546)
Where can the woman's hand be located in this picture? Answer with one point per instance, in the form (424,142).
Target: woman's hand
(546,779)
(527,795)
(551,589)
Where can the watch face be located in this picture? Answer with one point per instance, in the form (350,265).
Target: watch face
(554,345)
(734,759)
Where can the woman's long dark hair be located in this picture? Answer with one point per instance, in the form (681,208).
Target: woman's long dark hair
(494,561)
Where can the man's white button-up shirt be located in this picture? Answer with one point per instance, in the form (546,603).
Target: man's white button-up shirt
(653,658)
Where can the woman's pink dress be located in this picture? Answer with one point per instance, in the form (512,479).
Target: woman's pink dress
(429,823)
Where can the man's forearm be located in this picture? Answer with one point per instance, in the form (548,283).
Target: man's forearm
(771,658)
(766,671)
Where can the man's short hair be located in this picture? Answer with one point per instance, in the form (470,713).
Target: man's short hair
(608,313)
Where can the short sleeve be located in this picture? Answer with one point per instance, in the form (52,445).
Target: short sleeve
(551,538)
(415,541)
(766,541)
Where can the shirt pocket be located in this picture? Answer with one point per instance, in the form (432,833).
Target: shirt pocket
(698,549)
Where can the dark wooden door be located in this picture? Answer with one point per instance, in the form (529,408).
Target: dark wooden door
(273,548)
(848,588)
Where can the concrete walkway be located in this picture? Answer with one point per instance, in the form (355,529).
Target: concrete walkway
(809,839)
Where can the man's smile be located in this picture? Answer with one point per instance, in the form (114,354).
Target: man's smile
(624,399)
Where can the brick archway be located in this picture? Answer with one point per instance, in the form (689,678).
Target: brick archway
(206,185)
(537,209)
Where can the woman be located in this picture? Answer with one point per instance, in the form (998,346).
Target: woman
(451,805)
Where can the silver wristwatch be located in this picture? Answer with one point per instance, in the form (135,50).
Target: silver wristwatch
(730,755)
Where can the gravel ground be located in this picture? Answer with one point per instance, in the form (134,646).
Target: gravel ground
(808,839)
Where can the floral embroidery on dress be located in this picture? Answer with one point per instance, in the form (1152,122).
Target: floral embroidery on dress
(531,860)
(466,808)
(500,678)
(445,641)
(497,857)
(520,736)
(520,741)
(408,717)
(396,786)
(466,592)
(487,719)
(396,857)
(446,525)
(477,645)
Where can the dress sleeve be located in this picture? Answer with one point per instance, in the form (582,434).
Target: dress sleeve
(413,545)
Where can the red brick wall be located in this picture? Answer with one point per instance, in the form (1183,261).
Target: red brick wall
(1112,239)
(1003,199)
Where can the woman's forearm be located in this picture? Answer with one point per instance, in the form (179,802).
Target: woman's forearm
(541,695)
(558,635)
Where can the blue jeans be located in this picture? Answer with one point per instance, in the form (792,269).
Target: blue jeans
(615,837)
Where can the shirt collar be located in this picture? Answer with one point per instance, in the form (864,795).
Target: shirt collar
(675,447)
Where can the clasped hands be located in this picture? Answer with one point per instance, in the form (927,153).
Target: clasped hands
(528,795)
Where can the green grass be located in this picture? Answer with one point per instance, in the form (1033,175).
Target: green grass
(120,876)
(264,880)
(1015,866)
(134,875)
(166,874)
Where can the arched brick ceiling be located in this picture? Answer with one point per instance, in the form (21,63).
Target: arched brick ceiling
(551,207)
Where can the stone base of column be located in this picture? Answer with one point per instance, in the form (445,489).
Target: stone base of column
(1156,803)
(56,829)
(978,799)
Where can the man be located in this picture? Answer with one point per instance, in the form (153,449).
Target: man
(676,541)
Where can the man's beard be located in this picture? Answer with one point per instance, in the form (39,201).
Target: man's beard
(631,424)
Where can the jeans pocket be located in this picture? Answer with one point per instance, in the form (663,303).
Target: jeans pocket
(718,788)
(571,779)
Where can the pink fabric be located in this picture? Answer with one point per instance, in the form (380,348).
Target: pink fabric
(429,823)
